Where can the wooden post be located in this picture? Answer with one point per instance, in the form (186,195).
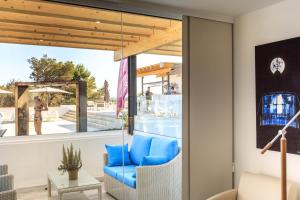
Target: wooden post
(21,110)
(132,96)
(283,148)
(142,86)
(81,106)
(168,78)
(162,85)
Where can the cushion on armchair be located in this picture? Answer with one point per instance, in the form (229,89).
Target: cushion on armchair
(115,155)
(114,171)
(164,147)
(139,148)
(152,160)
(127,178)
(122,174)
(259,186)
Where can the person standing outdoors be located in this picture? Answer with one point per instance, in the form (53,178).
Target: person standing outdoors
(38,119)
(148,98)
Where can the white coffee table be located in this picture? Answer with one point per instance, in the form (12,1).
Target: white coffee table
(63,185)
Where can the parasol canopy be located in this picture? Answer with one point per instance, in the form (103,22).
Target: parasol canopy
(49,90)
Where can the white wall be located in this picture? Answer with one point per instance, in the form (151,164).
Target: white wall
(31,157)
(277,22)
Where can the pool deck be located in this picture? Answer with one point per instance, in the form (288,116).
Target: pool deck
(55,127)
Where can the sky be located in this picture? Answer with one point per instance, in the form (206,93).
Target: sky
(14,64)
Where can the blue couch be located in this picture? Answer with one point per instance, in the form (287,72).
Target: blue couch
(149,160)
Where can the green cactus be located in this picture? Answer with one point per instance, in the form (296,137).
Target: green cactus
(71,160)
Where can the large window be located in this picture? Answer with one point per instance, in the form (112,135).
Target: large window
(113,75)
(48,72)
(159,95)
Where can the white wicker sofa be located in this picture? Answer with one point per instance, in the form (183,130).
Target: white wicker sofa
(154,182)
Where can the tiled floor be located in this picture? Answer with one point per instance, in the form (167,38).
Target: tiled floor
(39,193)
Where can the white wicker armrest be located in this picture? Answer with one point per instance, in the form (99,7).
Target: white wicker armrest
(227,195)
(105,159)
(6,183)
(160,181)
(8,195)
(3,169)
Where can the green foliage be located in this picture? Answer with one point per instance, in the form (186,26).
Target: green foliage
(71,160)
(8,100)
(49,69)
(125,118)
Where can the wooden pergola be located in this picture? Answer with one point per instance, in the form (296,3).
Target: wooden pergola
(38,22)
(162,70)
(159,69)
(22,106)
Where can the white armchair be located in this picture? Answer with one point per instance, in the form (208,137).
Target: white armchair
(6,185)
(257,187)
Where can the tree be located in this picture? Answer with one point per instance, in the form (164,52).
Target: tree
(8,100)
(49,69)
(81,73)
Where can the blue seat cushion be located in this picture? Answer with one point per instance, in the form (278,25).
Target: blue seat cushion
(115,157)
(152,160)
(164,147)
(113,171)
(127,179)
(139,148)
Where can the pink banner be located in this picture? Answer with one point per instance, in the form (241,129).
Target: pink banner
(122,85)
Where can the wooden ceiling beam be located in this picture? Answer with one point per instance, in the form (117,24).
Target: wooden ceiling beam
(163,52)
(170,48)
(54,43)
(154,72)
(76,18)
(179,43)
(155,41)
(38,23)
(13,31)
(67,32)
(87,13)
(38,36)
(174,45)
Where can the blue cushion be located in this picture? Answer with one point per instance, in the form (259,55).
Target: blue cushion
(115,157)
(139,148)
(152,160)
(127,179)
(164,147)
(113,171)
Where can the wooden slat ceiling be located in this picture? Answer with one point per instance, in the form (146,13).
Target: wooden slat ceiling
(159,69)
(38,22)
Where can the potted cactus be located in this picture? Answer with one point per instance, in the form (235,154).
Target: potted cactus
(71,162)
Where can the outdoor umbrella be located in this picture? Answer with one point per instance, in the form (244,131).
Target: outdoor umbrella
(48,90)
(5,92)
